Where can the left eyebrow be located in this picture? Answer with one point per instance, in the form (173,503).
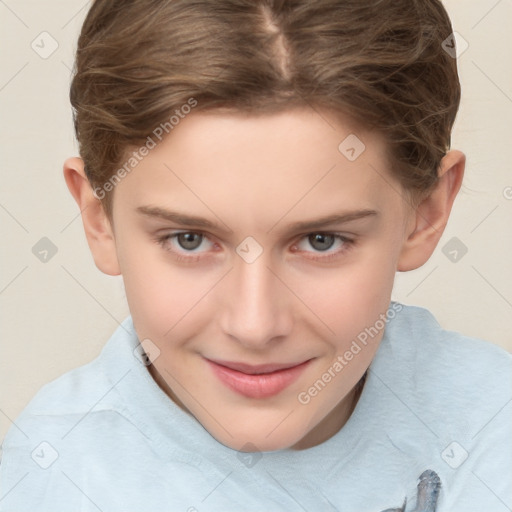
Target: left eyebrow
(329,220)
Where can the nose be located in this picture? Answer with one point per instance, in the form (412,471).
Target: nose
(256,305)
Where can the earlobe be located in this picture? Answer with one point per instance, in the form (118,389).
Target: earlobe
(97,226)
(431,215)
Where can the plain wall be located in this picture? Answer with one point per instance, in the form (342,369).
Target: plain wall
(58,314)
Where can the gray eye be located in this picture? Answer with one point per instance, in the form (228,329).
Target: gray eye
(321,242)
(189,241)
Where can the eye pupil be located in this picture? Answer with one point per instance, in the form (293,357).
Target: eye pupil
(324,241)
(186,240)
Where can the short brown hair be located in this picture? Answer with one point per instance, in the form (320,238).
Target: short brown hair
(379,62)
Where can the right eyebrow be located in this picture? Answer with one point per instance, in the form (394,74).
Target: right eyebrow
(181,218)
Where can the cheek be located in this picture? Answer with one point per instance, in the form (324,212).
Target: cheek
(161,296)
(347,299)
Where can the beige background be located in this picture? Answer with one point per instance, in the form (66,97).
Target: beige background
(59,314)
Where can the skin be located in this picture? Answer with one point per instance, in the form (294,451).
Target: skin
(255,176)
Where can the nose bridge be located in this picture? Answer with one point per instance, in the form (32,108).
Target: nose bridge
(256,307)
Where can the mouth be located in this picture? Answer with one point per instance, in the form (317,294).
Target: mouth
(257,381)
(258,369)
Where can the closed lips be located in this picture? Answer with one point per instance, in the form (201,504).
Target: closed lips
(257,369)
(257,381)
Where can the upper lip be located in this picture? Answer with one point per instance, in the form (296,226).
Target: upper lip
(254,369)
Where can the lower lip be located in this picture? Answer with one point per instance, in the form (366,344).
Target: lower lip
(258,386)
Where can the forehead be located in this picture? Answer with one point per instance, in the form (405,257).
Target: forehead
(301,134)
(299,159)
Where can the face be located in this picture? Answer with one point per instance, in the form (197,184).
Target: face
(254,255)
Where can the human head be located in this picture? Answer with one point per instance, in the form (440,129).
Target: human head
(244,166)
(142,65)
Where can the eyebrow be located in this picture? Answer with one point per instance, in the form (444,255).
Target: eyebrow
(193,221)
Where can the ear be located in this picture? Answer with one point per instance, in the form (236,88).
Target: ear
(98,230)
(431,216)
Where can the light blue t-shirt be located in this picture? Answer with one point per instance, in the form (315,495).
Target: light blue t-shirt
(104,437)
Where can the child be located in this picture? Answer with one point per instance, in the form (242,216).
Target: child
(257,171)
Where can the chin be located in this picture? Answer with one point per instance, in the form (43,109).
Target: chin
(256,440)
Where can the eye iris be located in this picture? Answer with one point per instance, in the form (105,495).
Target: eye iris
(186,240)
(325,241)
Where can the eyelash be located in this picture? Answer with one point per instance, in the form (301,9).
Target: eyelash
(348,243)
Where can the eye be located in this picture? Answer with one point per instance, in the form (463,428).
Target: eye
(322,242)
(184,244)
(189,241)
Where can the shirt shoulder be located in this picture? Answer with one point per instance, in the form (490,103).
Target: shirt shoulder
(446,401)
(69,396)
(59,426)
(428,351)
(454,383)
